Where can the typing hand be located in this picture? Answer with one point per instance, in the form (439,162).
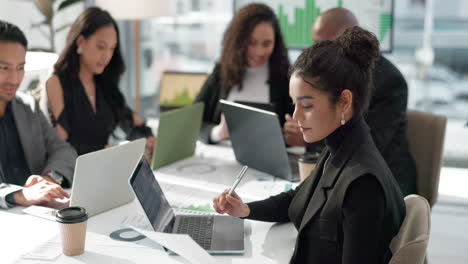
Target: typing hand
(230,204)
(33,179)
(292,133)
(38,191)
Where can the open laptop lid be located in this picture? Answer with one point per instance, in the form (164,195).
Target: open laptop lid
(177,136)
(100,182)
(179,89)
(257,139)
(152,199)
(264,106)
(228,232)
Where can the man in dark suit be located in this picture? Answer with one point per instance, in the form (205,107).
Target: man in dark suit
(387,110)
(34,161)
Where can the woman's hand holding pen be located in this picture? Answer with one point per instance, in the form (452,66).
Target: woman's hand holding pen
(230,204)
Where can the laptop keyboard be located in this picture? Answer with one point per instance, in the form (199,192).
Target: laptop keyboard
(200,228)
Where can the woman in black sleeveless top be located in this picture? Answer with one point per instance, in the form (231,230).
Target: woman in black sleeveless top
(84,99)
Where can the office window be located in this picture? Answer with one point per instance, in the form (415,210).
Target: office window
(190,41)
(444,89)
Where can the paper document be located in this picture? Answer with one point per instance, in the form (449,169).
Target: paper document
(180,211)
(41,211)
(181,244)
(47,251)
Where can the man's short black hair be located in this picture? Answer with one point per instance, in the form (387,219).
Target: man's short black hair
(12,33)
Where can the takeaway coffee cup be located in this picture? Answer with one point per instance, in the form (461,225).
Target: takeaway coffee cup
(307,163)
(72,223)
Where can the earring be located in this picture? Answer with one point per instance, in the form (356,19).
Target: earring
(342,119)
(78,50)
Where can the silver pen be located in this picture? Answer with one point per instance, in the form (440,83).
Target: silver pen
(238,179)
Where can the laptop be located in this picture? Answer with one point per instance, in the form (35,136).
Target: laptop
(217,234)
(100,182)
(177,136)
(257,140)
(179,89)
(264,106)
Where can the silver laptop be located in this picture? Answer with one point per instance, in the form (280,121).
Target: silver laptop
(100,182)
(217,234)
(257,140)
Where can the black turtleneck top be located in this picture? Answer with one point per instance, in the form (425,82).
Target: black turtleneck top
(361,214)
(334,140)
(363,210)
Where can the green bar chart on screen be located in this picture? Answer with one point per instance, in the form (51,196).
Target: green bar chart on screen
(296,17)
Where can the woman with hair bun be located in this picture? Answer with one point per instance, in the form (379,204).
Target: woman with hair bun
(350,207)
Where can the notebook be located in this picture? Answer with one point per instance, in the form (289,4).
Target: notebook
(217,234)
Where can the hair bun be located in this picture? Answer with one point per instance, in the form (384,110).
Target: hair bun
(360,45)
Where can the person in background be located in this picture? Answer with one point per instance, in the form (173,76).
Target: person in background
(350,207)
(387,110)
(83,97)
(253,68)
(34,161)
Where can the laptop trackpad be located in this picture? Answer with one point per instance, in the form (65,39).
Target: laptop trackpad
(228,234)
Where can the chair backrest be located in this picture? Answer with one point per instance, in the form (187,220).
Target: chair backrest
(426,133)
(410,244)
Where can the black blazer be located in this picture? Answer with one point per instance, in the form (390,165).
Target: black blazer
(211,92)
(386,117)
(347,212)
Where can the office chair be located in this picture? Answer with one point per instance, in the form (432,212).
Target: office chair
(410,244)
(426,134)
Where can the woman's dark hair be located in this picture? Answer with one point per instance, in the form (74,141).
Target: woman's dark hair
(68,64)
(11,33)
(235,42)
(343,63)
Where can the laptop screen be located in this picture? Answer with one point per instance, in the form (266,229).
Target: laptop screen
(152,199)
(180,88)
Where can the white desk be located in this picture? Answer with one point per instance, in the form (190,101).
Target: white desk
(193,181)
(188,182)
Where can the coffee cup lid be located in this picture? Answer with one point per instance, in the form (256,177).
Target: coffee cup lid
(71,215)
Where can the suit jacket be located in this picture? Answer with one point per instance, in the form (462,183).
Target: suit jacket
(386,117)
(329,232)
(43,149)
(211,93)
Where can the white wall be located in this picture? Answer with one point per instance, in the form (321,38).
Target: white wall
(24,14)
